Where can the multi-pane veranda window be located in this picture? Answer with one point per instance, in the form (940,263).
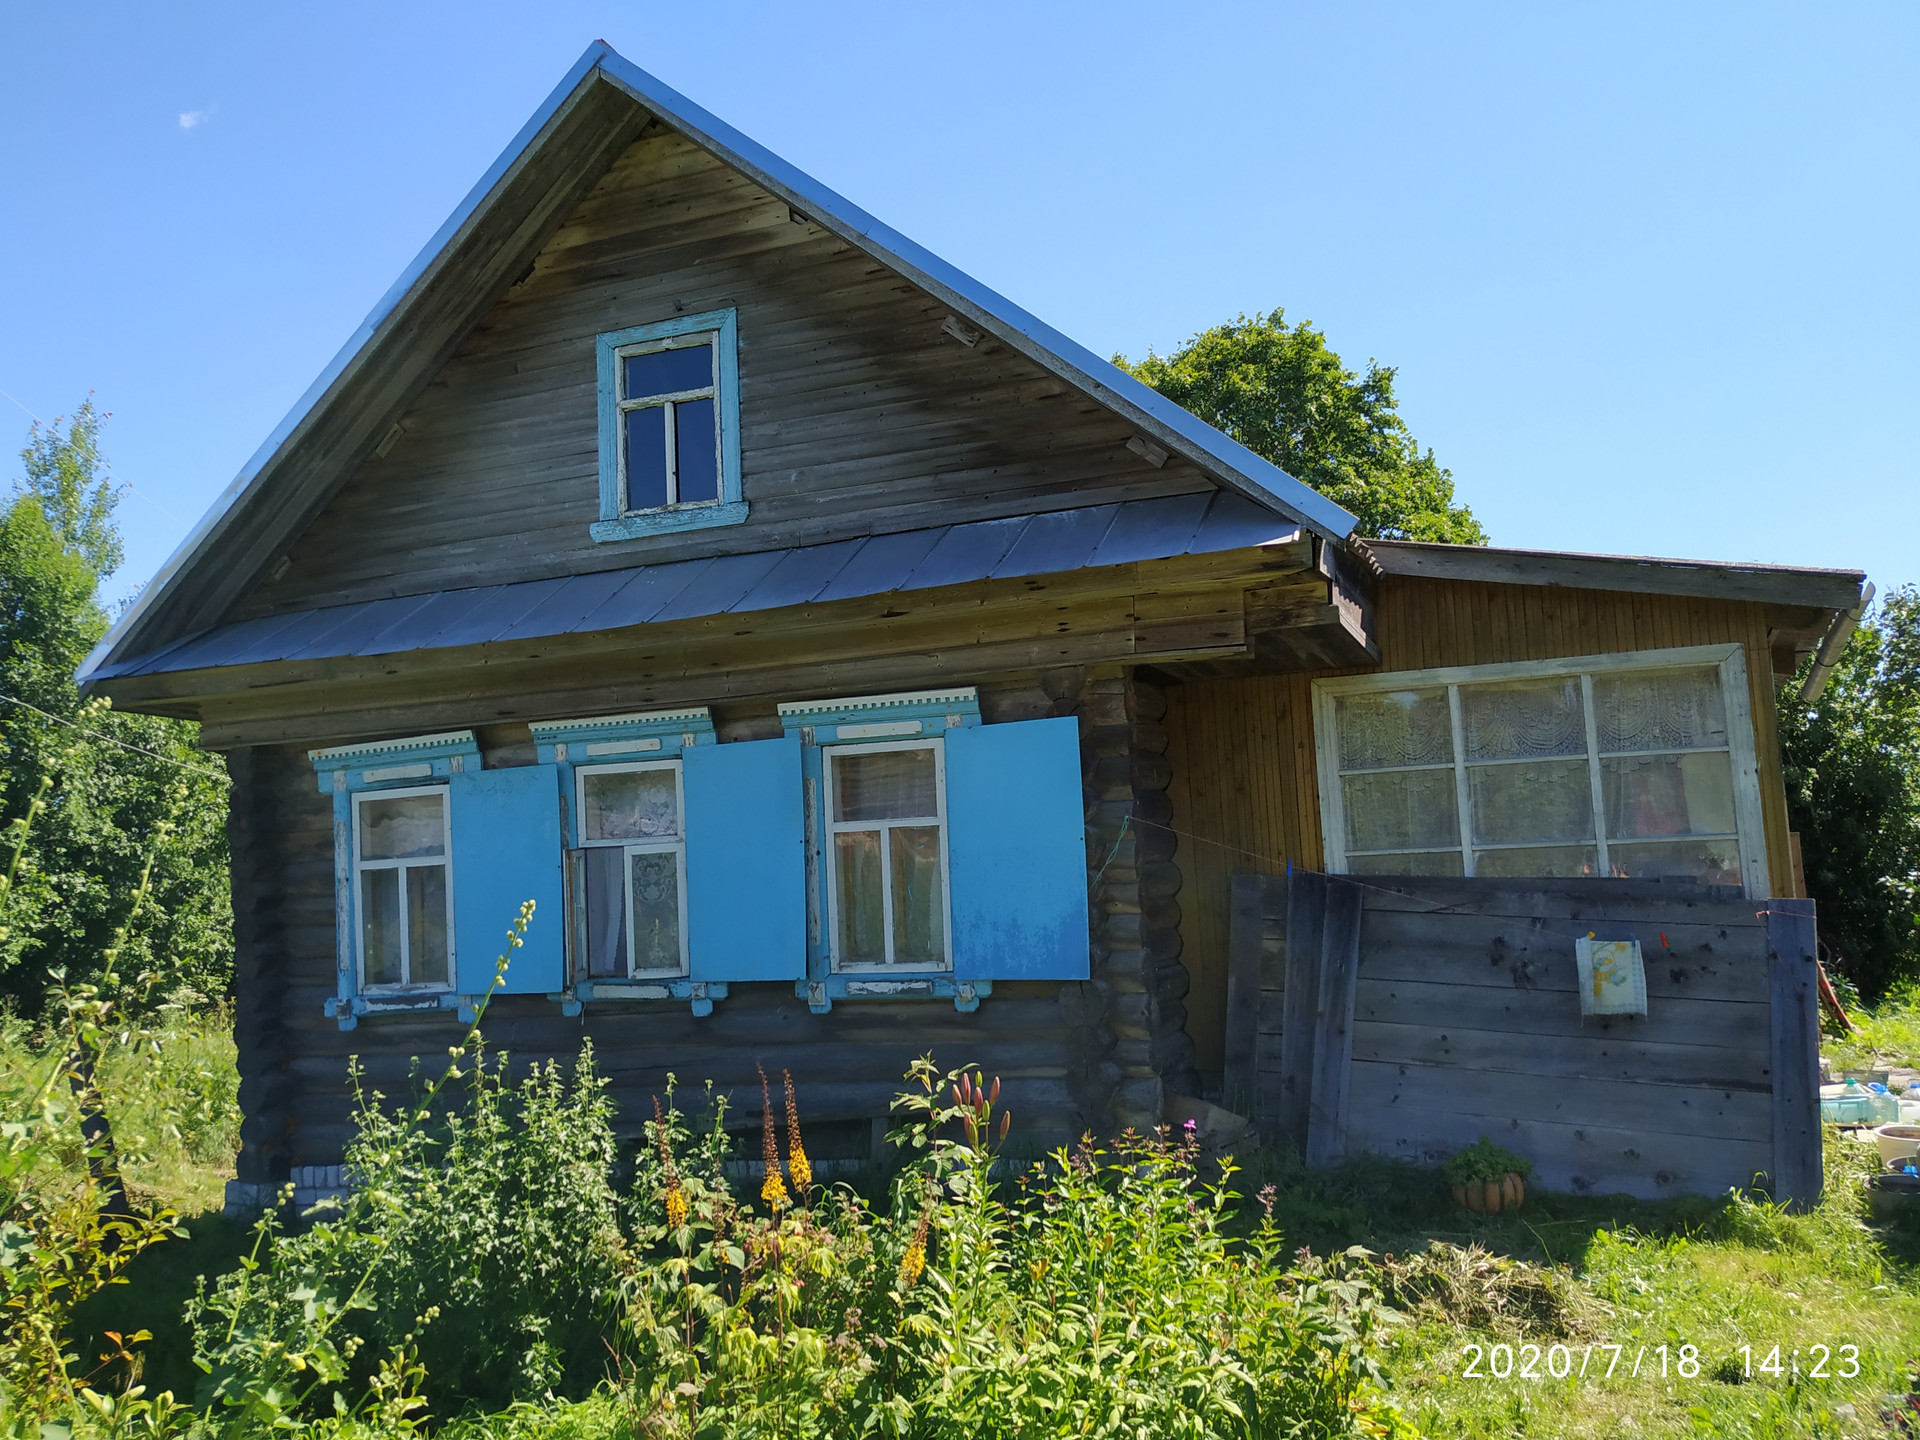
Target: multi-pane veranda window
(635,870)
(1606,770)
(669,424)
(886,856)
(400,864)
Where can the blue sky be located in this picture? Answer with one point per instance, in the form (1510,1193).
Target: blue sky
(1647,271)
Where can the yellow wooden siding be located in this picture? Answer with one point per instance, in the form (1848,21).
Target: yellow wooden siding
(1244,791)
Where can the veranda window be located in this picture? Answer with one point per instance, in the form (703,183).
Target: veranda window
(636,880)
(886,856)
(400,865)
(1630,765)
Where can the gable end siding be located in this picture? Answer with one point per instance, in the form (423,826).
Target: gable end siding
(859,415)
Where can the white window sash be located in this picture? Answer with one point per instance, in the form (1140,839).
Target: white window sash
(1749,833)
(402,864)
(830,755)
(675,844)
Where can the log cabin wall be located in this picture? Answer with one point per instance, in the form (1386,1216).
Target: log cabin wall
(1241,751)
(859,414)
(1096,1054)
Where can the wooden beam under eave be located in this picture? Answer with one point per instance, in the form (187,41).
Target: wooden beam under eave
(877,643)
(984,608)
(411,703)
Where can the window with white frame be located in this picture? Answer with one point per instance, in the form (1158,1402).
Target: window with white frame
(631,831)
(401,845)
(1638,765)
(886,856)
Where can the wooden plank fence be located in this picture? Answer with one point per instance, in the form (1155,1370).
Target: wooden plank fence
(1409,1016)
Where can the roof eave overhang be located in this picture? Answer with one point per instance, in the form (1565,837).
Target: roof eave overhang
(1833,590)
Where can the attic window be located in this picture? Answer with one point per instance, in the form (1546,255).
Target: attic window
(669,427)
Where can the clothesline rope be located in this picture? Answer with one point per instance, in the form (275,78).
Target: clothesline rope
(111,740)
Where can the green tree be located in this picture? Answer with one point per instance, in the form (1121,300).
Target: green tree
(1282,393)
(123,786)
(1852,762)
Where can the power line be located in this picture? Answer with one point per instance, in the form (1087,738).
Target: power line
(30,415)
(112,740)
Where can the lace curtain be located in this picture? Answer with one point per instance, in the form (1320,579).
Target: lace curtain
(656,910)
(1403,796)
(403,827)
(1666,778)
(631,805)
(1664,710)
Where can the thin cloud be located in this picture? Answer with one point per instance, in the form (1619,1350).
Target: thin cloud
(192,119)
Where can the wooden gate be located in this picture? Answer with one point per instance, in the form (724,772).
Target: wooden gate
(1409,1016)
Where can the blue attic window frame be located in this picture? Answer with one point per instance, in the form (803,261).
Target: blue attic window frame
(647,402)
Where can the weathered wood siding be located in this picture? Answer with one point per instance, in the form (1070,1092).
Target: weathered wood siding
(858,414)
(1243,786)
(1465,1021)
(1096,1054)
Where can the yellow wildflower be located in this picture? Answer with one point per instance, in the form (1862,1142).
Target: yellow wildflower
(797,1165)
(915,1260)
(676,1200)
(774,1192)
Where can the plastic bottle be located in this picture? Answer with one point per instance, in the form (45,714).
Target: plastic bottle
(1852,1106)
(1885,1110)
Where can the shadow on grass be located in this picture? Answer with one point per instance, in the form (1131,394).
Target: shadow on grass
(1390,1206)
(159,1285)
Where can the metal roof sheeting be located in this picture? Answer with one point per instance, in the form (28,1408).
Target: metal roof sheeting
(1059,541)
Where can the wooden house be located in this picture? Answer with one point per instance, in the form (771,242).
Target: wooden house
(849,667)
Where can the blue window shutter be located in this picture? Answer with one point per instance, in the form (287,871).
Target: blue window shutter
(1017,851)
(507,850)
(746,861)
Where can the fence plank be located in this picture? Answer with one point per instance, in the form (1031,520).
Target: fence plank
(1333,1025)
(1741,1023)
(1714,962)
(1796,1052)
(1613,1056)
(1499,1097)
(1306,919)
(1575,1159)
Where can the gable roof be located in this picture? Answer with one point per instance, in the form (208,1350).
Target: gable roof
(599,108)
